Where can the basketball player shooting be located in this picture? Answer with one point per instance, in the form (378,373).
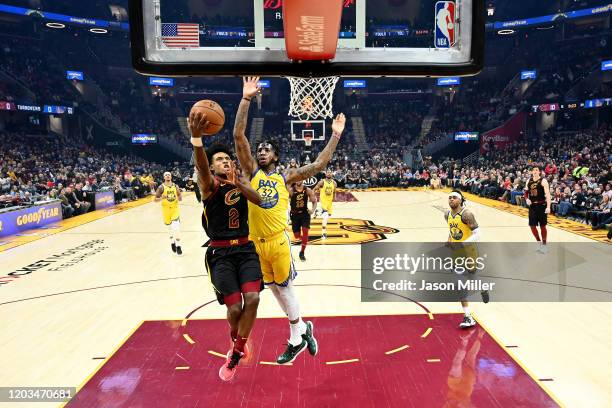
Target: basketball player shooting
(462,236)
(169,194)
(231,258)
(268,220)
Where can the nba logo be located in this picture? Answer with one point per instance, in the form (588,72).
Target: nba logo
(445,24)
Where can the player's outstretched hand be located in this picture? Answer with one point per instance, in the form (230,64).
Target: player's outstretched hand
(250,86)
(197,123)
(339,123)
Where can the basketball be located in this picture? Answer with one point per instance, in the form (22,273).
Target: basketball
(214,114)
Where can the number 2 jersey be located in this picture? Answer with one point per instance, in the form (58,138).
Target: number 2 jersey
(226,213)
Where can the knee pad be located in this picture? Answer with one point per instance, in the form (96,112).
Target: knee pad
(175,226)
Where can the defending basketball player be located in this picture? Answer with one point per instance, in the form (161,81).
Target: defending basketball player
(268,220)
(462,237)
(169,194)
(537,197)
(327,188)
(300,213)
(231,259)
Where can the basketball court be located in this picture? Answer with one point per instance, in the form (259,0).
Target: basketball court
(100,303)
(109,308)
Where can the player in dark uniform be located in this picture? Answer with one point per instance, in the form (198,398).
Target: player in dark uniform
(537,195)
(300,214)
(231,259)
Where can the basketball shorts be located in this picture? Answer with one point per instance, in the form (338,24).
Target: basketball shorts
(229,268)
(465,268)
(326,206)
(275,258)
(299,221)
(170,214)
(537,214)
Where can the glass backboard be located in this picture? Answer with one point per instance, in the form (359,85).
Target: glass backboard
(247,37)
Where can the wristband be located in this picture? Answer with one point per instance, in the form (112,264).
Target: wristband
(247,99)
(197,142)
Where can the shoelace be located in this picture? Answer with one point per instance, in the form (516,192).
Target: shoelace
(234,360)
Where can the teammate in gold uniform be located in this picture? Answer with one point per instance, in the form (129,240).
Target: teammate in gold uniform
(463,229)
(169,194)
(327,187)
(268,221)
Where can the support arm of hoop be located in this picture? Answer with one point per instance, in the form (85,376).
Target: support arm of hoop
(312,28)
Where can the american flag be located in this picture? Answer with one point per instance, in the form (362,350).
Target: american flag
(181,35)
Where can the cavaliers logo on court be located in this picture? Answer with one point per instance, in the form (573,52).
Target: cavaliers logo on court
(348,231)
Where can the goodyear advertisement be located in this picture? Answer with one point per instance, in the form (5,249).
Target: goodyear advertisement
(14,222)
(104,200)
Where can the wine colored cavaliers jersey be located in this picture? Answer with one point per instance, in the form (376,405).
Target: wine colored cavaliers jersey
(226,213)
(299,201)
(536,191)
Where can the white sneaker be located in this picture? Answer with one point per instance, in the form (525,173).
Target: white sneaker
(468,321)
(543,249)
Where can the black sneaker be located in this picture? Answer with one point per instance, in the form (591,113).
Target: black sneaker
(179,251)
(173,246)
(485,296)
(610,233)
(302,256)
(468,321)
(313,346)
(291,352)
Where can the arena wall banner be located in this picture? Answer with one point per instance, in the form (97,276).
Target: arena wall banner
(104,199)
(14,222)
(504,135)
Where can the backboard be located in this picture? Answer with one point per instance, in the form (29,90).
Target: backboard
(312,128)
(247,37)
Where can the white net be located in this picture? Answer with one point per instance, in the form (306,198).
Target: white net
(312,98)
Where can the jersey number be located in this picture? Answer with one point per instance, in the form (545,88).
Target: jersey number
(234,218)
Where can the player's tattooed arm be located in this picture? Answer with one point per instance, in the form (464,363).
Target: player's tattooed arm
(468,219)
(323,158)
(243,148)
(159,192)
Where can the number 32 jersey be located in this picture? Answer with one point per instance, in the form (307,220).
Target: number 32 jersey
(270,217)
(226,213)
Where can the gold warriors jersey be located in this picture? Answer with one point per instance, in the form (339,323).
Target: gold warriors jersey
(459,231)
(270,217)
(327,191)
(170,196)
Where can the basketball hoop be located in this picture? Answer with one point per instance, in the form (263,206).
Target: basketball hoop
(308,140)
(312,98)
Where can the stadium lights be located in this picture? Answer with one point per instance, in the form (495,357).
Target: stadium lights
(98,30)
(55,25)
(506,32)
